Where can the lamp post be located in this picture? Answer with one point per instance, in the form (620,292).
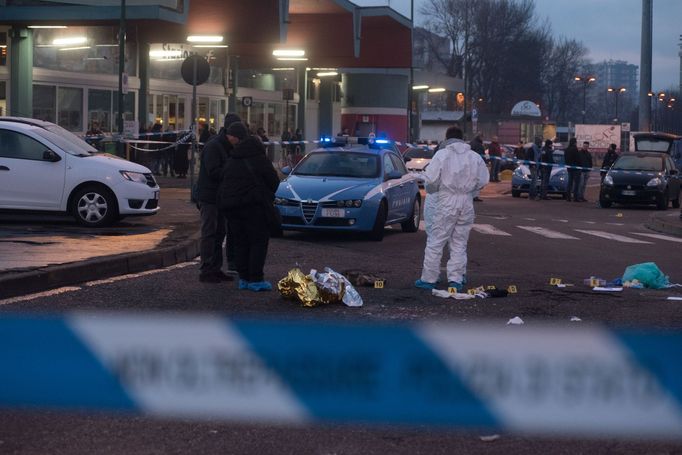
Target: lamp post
(417,90)
(584,80)
(616,92)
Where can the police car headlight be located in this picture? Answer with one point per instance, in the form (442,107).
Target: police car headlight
(656,181)
(608,180)
(349,203)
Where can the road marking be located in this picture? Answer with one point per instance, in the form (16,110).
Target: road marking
(489,229)
(530,219)
(611,236)
(590,222)
(616,224)
(65,289)
(561,221)
(658,236)
(547,233)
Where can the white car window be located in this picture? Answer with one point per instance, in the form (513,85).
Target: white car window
(19,146)
(388,164)
(398,163)
(65,140)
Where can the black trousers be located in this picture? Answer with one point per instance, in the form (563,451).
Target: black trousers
(251,237)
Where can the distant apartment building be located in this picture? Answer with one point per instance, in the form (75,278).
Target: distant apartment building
(617,74)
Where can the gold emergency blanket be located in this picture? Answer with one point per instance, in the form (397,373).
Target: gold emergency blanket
(299,286)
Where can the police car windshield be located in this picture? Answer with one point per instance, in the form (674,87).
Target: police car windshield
(339,164)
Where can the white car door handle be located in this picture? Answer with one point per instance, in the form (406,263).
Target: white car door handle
(4,168)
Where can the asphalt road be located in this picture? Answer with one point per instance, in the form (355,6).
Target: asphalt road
(515,241)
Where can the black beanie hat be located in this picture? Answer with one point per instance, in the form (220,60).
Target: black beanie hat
(238,130)
(230,118)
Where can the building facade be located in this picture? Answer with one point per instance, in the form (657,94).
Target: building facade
(59,61)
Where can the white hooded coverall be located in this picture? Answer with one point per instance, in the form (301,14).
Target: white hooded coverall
(453,177)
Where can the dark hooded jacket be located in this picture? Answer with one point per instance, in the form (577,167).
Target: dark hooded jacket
(571,156)
(242,187)
(213,158)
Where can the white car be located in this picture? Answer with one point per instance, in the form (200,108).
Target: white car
(45,168)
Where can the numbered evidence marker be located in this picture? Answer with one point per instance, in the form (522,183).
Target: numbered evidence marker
(471,291)
(452,290)
(594,282)
(379,284)
(555,281)
(512,289)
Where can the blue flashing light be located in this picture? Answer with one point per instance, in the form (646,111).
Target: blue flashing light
(382,141)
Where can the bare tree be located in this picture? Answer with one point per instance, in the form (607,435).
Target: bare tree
(505,52)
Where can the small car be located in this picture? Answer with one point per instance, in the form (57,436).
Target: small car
(417,158)
(345,186)
(45,168)
(641,178)
(558,180)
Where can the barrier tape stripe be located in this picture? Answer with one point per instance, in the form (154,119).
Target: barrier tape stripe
(188,137)
(532,380)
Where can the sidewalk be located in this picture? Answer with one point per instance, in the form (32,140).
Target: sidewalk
(667,222)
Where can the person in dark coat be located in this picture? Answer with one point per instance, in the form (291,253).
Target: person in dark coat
(572,158)
(547,158)
(249,183)
(609,159)
(477,146)
(586,163)
(495,153)
(213,225)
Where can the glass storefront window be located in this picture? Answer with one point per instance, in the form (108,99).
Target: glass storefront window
(3,98)
(128,106)
(165,60)
(45,102)
(257,118)
(98,53)
(70,105)
(202,108)
(99,109)
(3,48)
(214,114)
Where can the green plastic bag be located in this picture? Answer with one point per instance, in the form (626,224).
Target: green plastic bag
(648,274)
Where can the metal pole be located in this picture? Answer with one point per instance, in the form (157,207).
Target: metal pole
(121,66)
(193,127)
(584,99)
(645,66)
(616,107)
(410,99)
(464,69)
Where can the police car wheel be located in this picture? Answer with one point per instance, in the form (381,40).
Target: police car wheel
(412,223)
(377,232)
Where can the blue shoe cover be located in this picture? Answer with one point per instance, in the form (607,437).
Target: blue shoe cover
(424,285)
(243,284)
(260,286)
(456,285)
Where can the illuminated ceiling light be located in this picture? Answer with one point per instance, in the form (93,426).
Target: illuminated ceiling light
(73,40)
(292,59)
(210,45)
(283,69)
(204,39)
(436,90)
(78,48)
(322,69)
(165,54)
(106,45)
(420,87)
(47,26)
(288,52)
(327,73)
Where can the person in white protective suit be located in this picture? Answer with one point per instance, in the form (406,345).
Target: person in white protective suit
(453,178)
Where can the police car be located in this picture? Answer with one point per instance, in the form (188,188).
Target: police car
(350,184)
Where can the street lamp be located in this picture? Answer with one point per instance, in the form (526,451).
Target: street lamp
(417,90)
(585,80)
(616,91)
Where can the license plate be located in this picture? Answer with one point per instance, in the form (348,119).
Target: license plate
(156,194)
(333,213)
(629,192)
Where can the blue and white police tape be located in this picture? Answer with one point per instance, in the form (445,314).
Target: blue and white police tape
(569,381)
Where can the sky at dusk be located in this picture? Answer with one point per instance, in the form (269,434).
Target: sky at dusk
(610,29)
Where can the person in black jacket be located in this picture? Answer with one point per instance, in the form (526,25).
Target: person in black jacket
(608,161)
(213,226)
(547,158)
(572,158)
(249,183)
(586,163)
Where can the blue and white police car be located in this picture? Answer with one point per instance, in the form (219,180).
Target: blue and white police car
(350,185)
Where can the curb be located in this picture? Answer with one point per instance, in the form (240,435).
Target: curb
(56,276)
(656,223)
